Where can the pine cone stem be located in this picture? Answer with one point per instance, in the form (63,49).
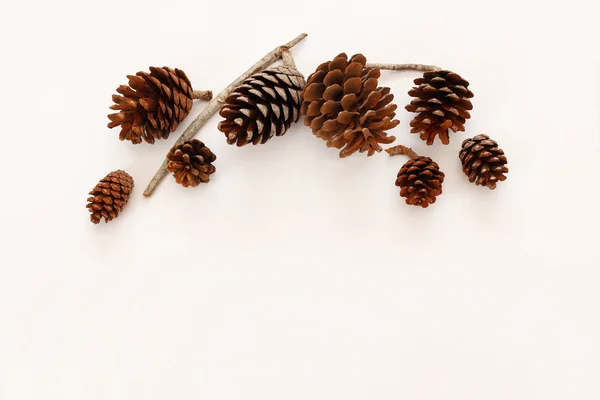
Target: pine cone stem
(215,104)
(287,58)
(404,67)
(400,149)
(202,94)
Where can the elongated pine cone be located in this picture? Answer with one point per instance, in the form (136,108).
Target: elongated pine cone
(110,196)
(483,161)
(420,181)
(442,101)
(263,106)
(344,106)
(152,105)
(190,163)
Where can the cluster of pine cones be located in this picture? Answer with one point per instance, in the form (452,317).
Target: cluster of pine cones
(341,102)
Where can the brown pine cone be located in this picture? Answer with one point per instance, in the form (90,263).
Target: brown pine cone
(483,161)
(190,163)
(345,107)
(110,196)
(442,101)
(152,105)
(264,105)
(420,181)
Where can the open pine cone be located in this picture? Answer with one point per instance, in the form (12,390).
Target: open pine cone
(442,101)
(152,105)
(344,106)
(109,196)
(191,163)
(263,106)
(420,181)
(483,161)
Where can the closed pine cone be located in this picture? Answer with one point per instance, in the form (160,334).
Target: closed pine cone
(263,106)
(152,105)
(110,196)
(190,163)
(344,106)
(483,161)
(442,101)
(420,181)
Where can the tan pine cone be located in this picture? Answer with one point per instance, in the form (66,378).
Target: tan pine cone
(420,181)
(191,163)
(109,196)
(152,105)
(344,106)
(263,106)
(442,101)
(483,161)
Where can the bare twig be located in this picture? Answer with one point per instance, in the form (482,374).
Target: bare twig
(218,101)
(402,67)
(202,94)
(400,149)
(286,57)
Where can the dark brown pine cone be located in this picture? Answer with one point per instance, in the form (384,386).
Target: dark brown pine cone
(344,106)
(442,101)
(152,105)
(483,161)
(420,181)
(110,196)
(190,163)
(263,106)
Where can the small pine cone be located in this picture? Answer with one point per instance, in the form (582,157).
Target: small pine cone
(264,105)
(152,105)
(344,106)
(420,181)
(483,161)
(190,163)
(442,101)
(110,196)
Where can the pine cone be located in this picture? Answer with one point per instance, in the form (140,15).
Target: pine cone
(110,196)
(420,181)
(483,161)
(153,104)
(264,105)
(190,163)
(442,101)
(345,107)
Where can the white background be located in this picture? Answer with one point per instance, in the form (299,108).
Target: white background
(295,274)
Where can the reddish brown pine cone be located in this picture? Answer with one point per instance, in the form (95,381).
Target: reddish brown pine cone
(263,106)
(344,106)
(483,161)
(110,196)
(442,101)
(152,105)
(191,163)
(420,181)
